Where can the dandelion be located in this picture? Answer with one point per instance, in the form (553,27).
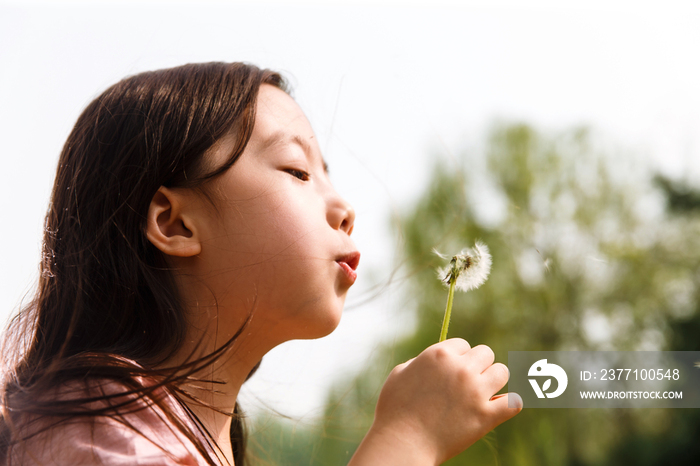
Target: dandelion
(467,270)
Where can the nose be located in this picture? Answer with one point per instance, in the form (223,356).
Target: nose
(341,215)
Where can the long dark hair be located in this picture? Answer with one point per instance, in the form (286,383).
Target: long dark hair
(106,297)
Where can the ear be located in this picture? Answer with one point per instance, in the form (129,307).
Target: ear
(169,225)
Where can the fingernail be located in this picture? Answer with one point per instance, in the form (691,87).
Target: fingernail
(514,401)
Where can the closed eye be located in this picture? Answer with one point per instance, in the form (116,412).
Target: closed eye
(301,174)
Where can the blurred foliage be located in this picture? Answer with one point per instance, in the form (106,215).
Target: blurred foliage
(590,252)
(681,196)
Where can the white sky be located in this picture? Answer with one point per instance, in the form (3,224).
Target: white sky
(386,88)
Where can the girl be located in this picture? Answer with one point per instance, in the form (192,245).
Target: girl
(192,228)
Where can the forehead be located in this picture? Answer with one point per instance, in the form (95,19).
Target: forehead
(277,112)
(280,120)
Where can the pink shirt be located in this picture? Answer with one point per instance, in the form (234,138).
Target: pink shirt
(107,441)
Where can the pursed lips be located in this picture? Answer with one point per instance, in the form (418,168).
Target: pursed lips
(349,263)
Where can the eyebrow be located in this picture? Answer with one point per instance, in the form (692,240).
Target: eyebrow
(278,137)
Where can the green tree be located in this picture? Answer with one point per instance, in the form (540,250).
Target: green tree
(589,253)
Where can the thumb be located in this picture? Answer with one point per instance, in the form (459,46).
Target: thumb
(505,406)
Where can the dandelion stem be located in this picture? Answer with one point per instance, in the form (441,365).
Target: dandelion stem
(448,309)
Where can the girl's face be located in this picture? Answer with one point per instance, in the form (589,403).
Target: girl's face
(276,239)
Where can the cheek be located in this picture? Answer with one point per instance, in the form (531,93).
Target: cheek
(302,296)
(275,251)
(291,228)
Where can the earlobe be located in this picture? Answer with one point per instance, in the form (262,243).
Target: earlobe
(169,227)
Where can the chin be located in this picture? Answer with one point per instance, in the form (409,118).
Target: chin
(323,329)
(323,324)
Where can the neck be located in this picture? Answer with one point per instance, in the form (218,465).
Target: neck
(213,323)
(218,388)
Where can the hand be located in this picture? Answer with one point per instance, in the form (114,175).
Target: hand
(436,405)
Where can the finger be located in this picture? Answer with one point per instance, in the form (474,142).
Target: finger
(480,358)
(404,364)
(457,346)
(504,407)
(495,377)
(401,367)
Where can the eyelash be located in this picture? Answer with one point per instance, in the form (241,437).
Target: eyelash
(300,174)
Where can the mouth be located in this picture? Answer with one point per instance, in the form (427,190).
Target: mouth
(349,263)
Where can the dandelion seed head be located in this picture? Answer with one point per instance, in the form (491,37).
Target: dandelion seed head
(439,254)
(470,268)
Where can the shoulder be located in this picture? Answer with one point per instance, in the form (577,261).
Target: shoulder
(139,433)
